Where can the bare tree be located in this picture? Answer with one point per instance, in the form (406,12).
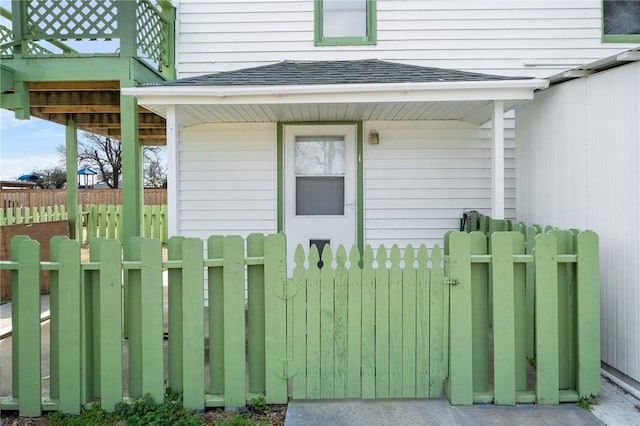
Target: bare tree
(51,178)
(105,155)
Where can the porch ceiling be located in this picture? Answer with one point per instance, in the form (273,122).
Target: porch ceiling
(476,112)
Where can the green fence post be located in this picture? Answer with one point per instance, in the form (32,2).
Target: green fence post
(588,314)
(275,269)
(546,302)
(460,362)
(216,316)
(69,342)
(174,293)
(193,324)
(354,314)
(28,354)
(256,310)
(234,323)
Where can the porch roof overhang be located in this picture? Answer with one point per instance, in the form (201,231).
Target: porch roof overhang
(431,94)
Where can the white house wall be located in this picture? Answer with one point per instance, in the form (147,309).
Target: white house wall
(422,175)
(511,37)
(226,179)
(577,166)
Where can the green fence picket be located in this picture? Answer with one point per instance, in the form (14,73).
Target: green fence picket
(216,316)
(520,320)
(424,332)
(111,221)
(368,325)
(234,323)
(382,324)
(54,309)
(354,316)
(155,221)
(438,312)
(15,312)
(28,328)
(92,222)
(395,324)
(327,330)
(299,306)
(546,302)
(174,295)
(313,324)
(340,324)
(255,313)
(531,233)
(102,220)
(480,310)
(192,324)
(409,318)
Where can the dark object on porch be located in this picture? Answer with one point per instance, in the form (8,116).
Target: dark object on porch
(470,221)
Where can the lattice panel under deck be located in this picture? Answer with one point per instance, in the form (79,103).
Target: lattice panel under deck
(150,34)
(72,19)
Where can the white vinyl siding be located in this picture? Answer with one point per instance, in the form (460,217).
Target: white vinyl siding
(577,162)
(227,179)
(422,175)
(510,37)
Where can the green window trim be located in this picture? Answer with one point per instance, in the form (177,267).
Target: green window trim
(370,39)
(359,173)
(616,38)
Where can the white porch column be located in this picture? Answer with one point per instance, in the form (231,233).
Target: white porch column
(497,161)
(172,171)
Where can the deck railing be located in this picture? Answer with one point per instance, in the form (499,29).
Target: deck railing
(362,326)
(135,28)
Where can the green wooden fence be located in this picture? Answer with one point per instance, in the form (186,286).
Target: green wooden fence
(99,220)
(399,323)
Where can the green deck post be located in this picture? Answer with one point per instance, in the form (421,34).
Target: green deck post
(255,291)
(382,324)
(460,362)
(174,294)
(354,315)
(132,195)
(588,314)
(341,331)
(216,316)
(299,307)
(28,353)
(368,325)
(193,324)
(409,319)
(546,302)
(327,326)
(504,353)
(234,323)
(275,269)
(69,289)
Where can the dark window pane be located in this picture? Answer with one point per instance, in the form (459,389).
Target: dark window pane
(319,195)
(621,17)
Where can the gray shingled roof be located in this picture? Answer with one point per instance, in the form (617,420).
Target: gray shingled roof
(333,72)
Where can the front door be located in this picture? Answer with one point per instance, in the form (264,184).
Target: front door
(319,186)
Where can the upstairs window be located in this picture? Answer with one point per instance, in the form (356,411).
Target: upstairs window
(621,21)
(345,22)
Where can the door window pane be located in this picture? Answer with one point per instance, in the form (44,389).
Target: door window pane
(344,18)
(319,155)
(320,195)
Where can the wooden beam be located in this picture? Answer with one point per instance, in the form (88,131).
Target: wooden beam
(84,109)
(73,99)
(51,86)
(101,119)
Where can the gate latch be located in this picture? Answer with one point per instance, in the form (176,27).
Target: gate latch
(447,281)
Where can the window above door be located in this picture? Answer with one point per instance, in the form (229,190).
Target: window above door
(345,22)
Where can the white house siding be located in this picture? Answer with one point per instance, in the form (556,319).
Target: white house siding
(511,37)
(227,179)
(423,175)
(577,165)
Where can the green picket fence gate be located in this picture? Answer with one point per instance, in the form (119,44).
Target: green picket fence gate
(384,324)
(26,215)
